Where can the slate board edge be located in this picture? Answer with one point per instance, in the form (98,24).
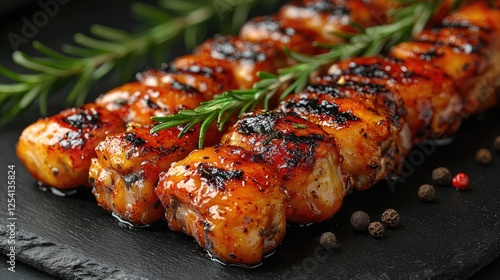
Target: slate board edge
(59,260)
(67,263)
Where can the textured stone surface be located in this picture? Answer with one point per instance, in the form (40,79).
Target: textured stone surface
(57,259)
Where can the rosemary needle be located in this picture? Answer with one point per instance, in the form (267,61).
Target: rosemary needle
(409,19)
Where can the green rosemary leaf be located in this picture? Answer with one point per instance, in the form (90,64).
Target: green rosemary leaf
(43,99)
(343,35)
(42,48)
(14,88)
(30,63)
(29,97)
(205,126)
(265,83)
(102,70)
(97,44)
(191,36)
(268,97)
(224,116)
(109,33)
(375,47)
(80,51)
(266,75)
(25,78)
(180,6)
(149,12)
(80,87)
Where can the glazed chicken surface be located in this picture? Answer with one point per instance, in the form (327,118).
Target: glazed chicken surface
(57,151)
(348,129)
(234,205)
(465,46)
(367,125)
(306,158)
(432,102)
(124,173)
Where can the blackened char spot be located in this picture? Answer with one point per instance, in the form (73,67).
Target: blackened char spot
(134,140)
(217,176)
(311,106)
(272,25)
(223,48)
(326,6)
(83,118)
(370,71)
(150,103)
(261,123)
(180,86)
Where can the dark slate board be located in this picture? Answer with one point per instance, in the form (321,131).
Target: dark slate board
(73,238)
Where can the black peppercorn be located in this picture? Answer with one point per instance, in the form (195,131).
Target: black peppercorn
(328,240)
(496,144)
(426,193)
(360,221)
(441,176)
(390,218)
(483,156)
(376,229)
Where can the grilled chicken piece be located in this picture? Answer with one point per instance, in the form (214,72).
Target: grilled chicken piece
(306,158)
(324,18)
(138,102)
(271,28)
(232,204)
(466,47)
(124,173)
(431,100)
(366,121)
(247,58)
(57,150)
(207,75)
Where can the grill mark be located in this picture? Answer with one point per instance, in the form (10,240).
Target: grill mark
(324,6)
(134,140)
(183,87)
(223,48)
(311,106)
(217,176)
(262,123)
(272,25)
(83,118)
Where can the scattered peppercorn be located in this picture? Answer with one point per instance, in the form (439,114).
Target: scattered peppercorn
(483,156)
(426,193)
(376,229)
(328,240)
(360,221)
(441,176)
(390,218)
(496,144)
(460,181)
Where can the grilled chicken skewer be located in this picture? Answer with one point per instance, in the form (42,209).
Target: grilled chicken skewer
(352,102)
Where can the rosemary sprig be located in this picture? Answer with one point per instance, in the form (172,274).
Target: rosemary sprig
(407,20)
(107,49)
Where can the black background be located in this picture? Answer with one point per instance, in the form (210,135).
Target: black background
(454,237)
